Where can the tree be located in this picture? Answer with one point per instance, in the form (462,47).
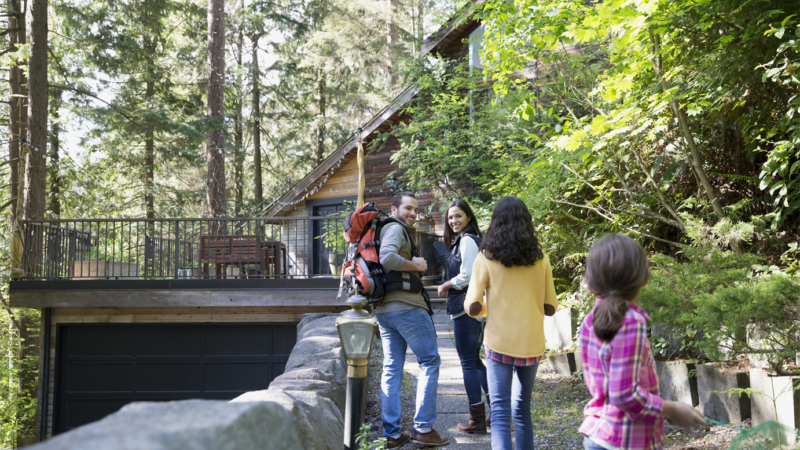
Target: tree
(216,196)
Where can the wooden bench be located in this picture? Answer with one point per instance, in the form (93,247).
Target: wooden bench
(225,250)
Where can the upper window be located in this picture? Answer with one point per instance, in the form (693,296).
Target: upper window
(475,44)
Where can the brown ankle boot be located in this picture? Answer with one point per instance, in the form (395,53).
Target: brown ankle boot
(488,416)
(477,420)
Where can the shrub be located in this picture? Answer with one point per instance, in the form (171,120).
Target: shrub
(764,309)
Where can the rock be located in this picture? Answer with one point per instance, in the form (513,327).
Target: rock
(787,401)
(188,424)
(313,349)
(310,318)
(336,367)
(729,408)
(674,382)
(560,330)
(321,326)
(318,421)
(307,374)
(563,363)
(333,391)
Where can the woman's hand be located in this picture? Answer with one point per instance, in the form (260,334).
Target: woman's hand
(682,415)
(444,287)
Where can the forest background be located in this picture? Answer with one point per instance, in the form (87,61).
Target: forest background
(674,121)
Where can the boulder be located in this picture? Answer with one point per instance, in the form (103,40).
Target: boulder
(335,392)
(321,326)
(313,349)
(188,424)
(730,408)
(675,382)
(319,423)
(336,367)
(307,374)
(310,318)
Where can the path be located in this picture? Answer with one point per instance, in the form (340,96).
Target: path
(451,401)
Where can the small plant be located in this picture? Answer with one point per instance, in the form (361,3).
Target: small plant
(362,440)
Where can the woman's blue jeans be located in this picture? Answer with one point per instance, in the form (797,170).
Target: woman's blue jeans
(511,389)
(468,334)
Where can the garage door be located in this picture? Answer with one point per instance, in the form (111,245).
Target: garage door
(102,367)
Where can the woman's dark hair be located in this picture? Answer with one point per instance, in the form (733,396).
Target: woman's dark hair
(616,269)
(472,226)
(510,238)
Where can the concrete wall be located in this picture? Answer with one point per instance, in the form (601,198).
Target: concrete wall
(302,409)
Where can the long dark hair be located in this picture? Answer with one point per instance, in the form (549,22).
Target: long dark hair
(472,226)
(510,238)
(616,269)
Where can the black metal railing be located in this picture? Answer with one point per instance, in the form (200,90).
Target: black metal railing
(163,249)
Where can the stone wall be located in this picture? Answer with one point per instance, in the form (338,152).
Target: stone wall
(302,409)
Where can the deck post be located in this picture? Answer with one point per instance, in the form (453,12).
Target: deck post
(177,241)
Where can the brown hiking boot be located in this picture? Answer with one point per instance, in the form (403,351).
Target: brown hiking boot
(394,443)
(431,439)
(477,420)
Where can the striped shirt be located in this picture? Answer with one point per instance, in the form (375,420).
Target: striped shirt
(625,409)
(511,360)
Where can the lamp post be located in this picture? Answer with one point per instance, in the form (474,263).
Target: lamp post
(356,330)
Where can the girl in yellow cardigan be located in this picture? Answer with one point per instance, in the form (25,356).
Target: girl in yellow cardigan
(517,279)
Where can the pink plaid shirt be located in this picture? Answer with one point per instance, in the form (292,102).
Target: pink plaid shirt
(625,409)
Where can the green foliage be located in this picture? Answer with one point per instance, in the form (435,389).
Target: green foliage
(17,407)
(756,316)
(669,297)
(362,440)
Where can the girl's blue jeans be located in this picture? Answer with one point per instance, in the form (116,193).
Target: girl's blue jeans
(511,389)
(468,335)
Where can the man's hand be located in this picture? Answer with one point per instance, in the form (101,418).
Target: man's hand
(419,263)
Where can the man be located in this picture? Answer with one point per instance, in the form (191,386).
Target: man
(404,321)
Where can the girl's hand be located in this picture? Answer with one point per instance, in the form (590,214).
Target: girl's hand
(682,415)
(444,287)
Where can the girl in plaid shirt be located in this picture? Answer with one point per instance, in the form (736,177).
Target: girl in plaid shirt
(625,412)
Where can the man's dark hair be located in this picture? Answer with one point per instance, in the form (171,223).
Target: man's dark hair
(397,200)
(511,239)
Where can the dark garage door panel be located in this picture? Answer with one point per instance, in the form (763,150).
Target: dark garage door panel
(102,367)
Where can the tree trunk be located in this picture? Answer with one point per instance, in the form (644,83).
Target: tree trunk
(393,40)
(216,196)
(149,154)
(54,206)
(321,124)
(238,127)
(256,107)
(36,163)
(420,26)
(16,27)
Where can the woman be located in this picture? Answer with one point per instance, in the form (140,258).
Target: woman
(517,279)
(463,237)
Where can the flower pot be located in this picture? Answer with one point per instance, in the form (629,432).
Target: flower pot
(729,408)
(335,262)
(677,381)
(787,401)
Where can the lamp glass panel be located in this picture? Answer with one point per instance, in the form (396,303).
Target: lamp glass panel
(357,339)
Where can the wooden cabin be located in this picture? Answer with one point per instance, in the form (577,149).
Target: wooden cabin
(170,309)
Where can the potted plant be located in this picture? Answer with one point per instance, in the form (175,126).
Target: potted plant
(333,239)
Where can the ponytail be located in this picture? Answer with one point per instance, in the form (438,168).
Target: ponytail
(608,317)
(616,269)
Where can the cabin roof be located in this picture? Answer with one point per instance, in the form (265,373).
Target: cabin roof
(439,43)
(453,32)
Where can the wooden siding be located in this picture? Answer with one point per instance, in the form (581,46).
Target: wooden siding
(160,315)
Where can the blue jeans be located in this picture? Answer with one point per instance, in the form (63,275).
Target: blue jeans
(399,330)
(468,333)
(511,389)
(589,445)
